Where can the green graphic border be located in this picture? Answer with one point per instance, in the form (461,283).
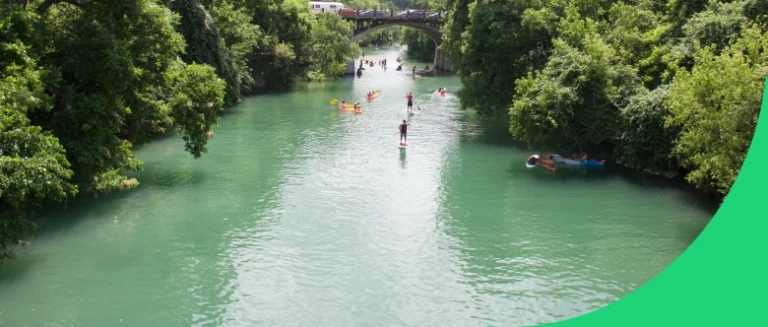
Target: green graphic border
(722,278)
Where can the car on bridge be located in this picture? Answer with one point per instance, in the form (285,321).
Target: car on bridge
(374,13)
(348,12)
(412,13)
(438,14)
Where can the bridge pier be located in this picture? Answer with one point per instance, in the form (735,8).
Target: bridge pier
(351,68)
(441,61)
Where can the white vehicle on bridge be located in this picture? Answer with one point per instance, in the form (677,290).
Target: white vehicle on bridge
(321,6)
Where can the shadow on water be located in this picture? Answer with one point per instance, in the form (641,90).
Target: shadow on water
(167,177)
(22,265)
(494,132)
(56,217)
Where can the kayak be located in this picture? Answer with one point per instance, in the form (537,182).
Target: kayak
(572,162)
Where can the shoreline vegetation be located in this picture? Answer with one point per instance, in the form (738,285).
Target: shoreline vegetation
(83,83)
(667,87)
(671,88)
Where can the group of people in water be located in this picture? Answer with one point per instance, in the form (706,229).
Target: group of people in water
(548,162)
(383,64)
(371,63)
(344,106)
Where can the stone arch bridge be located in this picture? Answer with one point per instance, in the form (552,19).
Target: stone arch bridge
(367,21)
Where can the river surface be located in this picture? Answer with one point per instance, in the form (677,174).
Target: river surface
(301,215)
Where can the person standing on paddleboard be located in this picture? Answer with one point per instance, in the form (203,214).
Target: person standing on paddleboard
(404,133)
(410,102)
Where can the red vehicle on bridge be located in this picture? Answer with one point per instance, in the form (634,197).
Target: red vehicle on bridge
(348,12)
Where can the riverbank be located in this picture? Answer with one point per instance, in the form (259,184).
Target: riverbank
(299,209)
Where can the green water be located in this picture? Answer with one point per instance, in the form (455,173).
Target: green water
(300,215)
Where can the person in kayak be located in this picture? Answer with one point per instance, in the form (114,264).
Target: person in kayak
(342,105)
(404,133)
(410,101)
(357,107)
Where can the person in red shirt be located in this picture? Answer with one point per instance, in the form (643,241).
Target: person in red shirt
(404,133)
(410,101)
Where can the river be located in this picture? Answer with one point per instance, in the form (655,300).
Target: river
(301,215)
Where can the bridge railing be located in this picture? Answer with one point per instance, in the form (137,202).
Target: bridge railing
(391,14)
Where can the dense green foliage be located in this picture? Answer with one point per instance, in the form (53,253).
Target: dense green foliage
(664,86)
(382,37)
(83,82)
(420,46)
(329,46)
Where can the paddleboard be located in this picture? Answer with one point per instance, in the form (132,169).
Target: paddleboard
(402,146)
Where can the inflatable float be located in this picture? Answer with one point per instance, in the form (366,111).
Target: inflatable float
(535,160)
(375,94)
(572,162)
(554,159)
(351,107)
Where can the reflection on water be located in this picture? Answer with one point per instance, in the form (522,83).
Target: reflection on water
(302,215)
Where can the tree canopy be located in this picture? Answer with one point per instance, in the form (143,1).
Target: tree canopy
(83,82)
(668,87)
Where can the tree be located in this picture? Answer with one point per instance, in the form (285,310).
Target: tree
(240,37)
(420,46)
(196,96)
(716,106)
(496,50)
(329,47)
(645,142)
(205,45)
(575,100)
(33,165)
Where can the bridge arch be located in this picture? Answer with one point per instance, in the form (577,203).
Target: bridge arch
(433,33)
(429,25)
